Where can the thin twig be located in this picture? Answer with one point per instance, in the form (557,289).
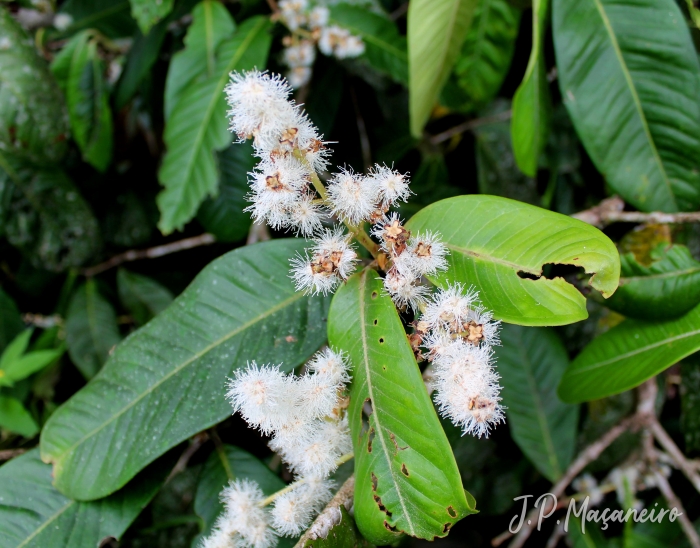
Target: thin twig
(258,233)
(399,12)
(676,454)
(675,502)
(195,443)
(150,253)
(273,6)
(469,125)
(9,454)
(611,211)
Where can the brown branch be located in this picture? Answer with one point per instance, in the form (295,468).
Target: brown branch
(258,233)
(469,125)
(611,211)
(331,515)
(9,454)
(675,502)
(195,443)
(273,6)
(150,253)
(676,454)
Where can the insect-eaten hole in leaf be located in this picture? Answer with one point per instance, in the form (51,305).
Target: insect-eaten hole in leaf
(452,512)
(381,340)
(570,273)
(375,321)
(374,482)
(374,295)
(404,470)
(370,439)
(446,527)
(398,448)
(390,527)
(367,411)
(381,506)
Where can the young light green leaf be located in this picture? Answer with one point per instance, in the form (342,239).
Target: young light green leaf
(241,306)
(225,464)
(223,216)
(624,91)
(142,296)
(49,221)
(531,362)
(198,127)
(532,104)
(385,48)
(33,514)
(33,122)
(493,241)
(629,354)
(15,418)
(91,329)
(11,323)
(211,25)
(16,348)
(436,30)
(487,51)
(407,478)
(30,363)
(148,12)
(667,288)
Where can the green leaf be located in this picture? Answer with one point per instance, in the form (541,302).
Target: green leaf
(223,216)
(225,464)
(148,12)
(436,30)
(16,348)
(240,307)
(31,363)
(667,288)
(15,418)
(625,92)
(531,362)
(343,534)
(91,329)
(629,354)
(385,48)
(33,122)
(491,240)
(112,18)
(487,51)
(11,323)
(198,127)
(33,514)
(142,296)
(690,402)
(407,480)
(49,221)
(532,104)
(211,25)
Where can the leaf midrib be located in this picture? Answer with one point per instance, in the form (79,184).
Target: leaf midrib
(635,97)
(295,297)
(44,525)
(379,430)
(490,258)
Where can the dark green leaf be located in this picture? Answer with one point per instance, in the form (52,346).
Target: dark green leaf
(531,362)
(91,329)
(407,478)
(667,288)
(241,307)
(385,48)
(110,17)
(48,220)
(33,514)
(487,51)
(629,354)
(223,216)
(211,25)
(142,296)
(690,403)
(33,122)
(492,240)
(223,465)
(532,104)
(625,92)
(436,30)
(10,321)
(148,12)
(15,418)
(198,127)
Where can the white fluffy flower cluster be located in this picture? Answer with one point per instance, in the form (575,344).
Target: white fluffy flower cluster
(309,26)
(306,417)
(459,334)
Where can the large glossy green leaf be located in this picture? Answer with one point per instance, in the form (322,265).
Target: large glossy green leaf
(532,103)
(211,25)
(198,127)
(668,287)
(531,362)
(629,354)
(33,514)
(15,418)
(33,121)
(225,464)
(48,219)
(148,12)
(166,381)
(223,216)
(436,30)
(91,329)
(142,296)
(385,48)
(632,99)
(10,321)
(407,480)
(492,240)
(487,51)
